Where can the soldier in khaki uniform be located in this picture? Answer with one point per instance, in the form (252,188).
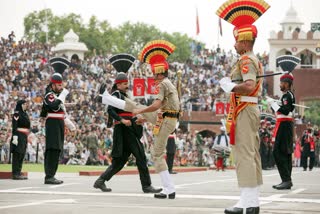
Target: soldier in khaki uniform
(163,113)
(244,117)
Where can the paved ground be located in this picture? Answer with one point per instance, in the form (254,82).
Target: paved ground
(197,192)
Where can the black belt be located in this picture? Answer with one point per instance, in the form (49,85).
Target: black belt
(170,114)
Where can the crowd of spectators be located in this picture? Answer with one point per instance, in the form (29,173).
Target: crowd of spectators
(25,73)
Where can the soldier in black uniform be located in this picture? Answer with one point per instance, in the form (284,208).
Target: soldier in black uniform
(264,147)
(54,111)
(171,151)
(19,140)
(308,150)
(283,146)
(127,134)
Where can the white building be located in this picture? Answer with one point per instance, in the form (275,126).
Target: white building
(71,46)
(292,40)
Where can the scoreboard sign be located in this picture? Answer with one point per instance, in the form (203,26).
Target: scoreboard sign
(315,27)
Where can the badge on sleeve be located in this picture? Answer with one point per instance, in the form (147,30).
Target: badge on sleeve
(285,101)
(51,98)
(245,69)
(245,61)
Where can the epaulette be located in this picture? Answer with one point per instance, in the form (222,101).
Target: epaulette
(114,92)
(245,60)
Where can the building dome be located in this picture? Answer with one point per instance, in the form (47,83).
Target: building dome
(71,37)
(291,17)
(71,45)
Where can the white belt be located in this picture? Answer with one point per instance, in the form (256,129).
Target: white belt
(56,115)
(285,116)
(23,130)
(249,99)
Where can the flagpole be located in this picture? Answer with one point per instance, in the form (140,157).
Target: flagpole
(197,24)
(218,32)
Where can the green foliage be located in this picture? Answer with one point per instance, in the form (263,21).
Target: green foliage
(99,36)
(312,114)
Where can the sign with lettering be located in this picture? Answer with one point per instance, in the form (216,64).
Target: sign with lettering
(315,27)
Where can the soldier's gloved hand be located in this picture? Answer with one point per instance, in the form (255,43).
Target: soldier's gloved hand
(126,122)
(15,140)
(275,106)
(269,100)
(98,98)
(62,96)
(102,88)
(69,124)
(273,103)
(226,84)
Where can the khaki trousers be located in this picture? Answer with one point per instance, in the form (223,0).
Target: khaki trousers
(246,148)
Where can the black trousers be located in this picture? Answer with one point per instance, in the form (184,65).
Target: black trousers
(170,159)
(264,155)
(284,164)
(51,162)
(304,159)
(17,161)
(135,148)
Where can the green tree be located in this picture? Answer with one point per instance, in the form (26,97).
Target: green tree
(182,43)
(97,35)
(35,26)
(312,114)
(132,37)
(100,36)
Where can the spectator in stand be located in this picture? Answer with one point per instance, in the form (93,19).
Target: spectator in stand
(297,153)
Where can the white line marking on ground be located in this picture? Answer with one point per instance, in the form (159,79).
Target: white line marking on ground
(296,191)
(269,175)
(64,201)
(214,181)
(204,182)
(214,197)
(21,188)
(275,197)
(178,208)
(62,185)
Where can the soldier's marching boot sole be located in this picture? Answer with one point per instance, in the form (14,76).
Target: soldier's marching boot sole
(237,210)
(53,181)
(173,172)
(164,196)
(18,177)
(283,185)
(99,184)
(151,189)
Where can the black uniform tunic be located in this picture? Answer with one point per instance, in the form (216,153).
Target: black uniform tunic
(20,128)
(52,109)
(283,146)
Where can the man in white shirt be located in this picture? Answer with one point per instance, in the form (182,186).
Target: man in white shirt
(220,145)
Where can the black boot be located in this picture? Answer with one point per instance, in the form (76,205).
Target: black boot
(52,180)
(151,189)
(163,196)
(237,210)
(284,185)
(275,186)
(99,184)
(18,177)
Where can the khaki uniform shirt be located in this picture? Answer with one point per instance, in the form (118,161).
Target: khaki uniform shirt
(168,94)
(246,68)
